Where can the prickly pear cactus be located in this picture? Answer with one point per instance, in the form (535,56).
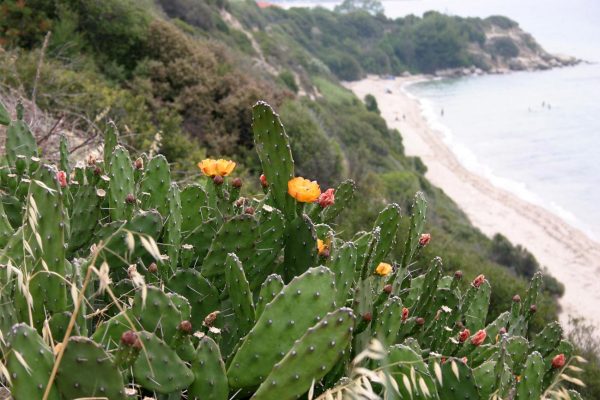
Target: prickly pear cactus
(163,289)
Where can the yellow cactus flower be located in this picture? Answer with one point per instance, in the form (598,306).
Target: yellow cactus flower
(383,269)
(303,190)
(219,167)
(224,167)
(208,167)
(322,248)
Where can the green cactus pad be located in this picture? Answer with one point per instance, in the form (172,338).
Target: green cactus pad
(283,321)
(121,184)
(109,332)
(64,154)
(158,367)
(156,184)
(417,221)
(388,222)
(476,314)
(301,251)
(388,321)
(428,288)
(210,381)
(454,380)
(145,223)
(343,264)
(84,216)
(343,196)
(199,221)
(268,290)
(86,370)
(273,148)
(158,314)
(172,235)
(547,340)
(239,294)
(19,141)
(517,349)
(410,373)
(256,244)
(311,357)
(31,368)
(111,140)
(530,385)
(6,229)
(203,297)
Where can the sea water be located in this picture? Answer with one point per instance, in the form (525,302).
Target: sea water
(536,134)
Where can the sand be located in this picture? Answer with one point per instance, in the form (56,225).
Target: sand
(567,253)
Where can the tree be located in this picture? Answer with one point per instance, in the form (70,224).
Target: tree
(373,7)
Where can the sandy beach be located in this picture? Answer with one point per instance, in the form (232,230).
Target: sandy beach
(568,254)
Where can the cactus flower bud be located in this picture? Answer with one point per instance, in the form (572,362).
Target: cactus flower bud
(558,361)
(367,316)
(185,327)
(478,281)
(444,359)
(404,313)
(130,198)
(240,202)
(464,360)
(152,268)
(533,309)
(249,210)
(516,298)
(464,335)
(327,198)
(209,320)
(263,181)
(383,269)
(236,183)
(387,288)
(61,177)
(478,338)
(502,331)
(424,239)
(128,338)
(420,321)
(218,180)
(458,275)
(97,171)
(139,163)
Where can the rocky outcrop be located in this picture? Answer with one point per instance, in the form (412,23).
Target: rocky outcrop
(507,48)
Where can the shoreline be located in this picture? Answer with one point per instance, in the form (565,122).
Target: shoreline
(565,251)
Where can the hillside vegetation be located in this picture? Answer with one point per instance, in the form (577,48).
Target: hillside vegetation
(183,72)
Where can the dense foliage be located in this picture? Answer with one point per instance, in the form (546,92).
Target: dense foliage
(193,291)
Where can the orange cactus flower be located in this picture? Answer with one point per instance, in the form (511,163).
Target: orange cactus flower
(303,190)
(210,167)
(383,269)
